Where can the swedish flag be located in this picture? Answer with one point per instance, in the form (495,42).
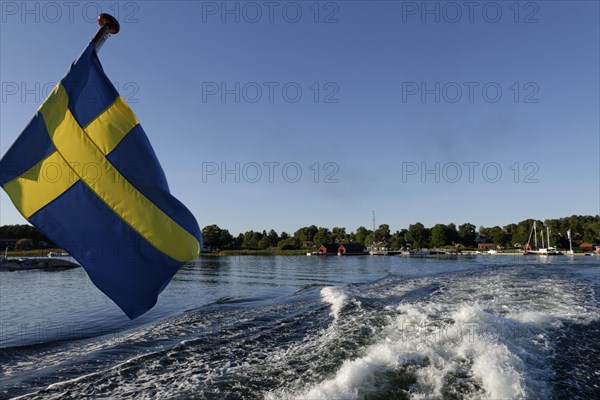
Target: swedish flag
(84,173)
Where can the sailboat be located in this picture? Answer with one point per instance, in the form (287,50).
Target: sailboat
(541,251)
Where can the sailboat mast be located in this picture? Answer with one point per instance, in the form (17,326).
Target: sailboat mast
(542,236)
(535,234)
(570,244)
(373,229)
(548,234)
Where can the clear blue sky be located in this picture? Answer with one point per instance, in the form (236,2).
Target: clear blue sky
(369,74)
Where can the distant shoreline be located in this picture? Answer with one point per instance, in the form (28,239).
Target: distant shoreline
(227,253)
(29,261)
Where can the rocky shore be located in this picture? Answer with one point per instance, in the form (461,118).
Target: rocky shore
(44,263)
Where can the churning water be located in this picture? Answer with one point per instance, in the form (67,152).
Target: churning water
(479,327)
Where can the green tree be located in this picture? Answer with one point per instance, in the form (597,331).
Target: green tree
(521,232)
(290,244)
(215,237)
(418,235)
(591,233)
(323,236)
(499,236)
(383,233)
(211,235)
(361,235)
(351,237)
(339,234)
(24,244)
(239,241)
(264,243)
(452,234)
(440,235)
(306,233)
(484,232)
(369,239)
(251,240)
(398,241)
(273,238)
(24,232)
(510,230)
(467,234)
(576,224)
(558,232)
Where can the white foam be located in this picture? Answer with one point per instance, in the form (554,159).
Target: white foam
(435,352)
(336,297)
(487,334)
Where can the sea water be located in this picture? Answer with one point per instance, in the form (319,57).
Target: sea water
(396,327)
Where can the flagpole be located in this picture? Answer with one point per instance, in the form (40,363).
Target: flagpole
(108,26)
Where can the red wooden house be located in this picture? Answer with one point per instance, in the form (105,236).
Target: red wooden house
(350,248)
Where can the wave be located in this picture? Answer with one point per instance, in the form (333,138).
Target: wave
(474,337)
(498,333)
(336,297)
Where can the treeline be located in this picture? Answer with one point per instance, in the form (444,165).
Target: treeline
(28,236)
(585,229)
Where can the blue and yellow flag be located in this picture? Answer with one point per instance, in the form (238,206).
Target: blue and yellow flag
(84,173)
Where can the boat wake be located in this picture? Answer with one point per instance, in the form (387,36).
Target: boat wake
(487,334)
(483,337)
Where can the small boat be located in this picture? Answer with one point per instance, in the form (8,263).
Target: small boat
(549,251)
(54,254)
(375,252)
